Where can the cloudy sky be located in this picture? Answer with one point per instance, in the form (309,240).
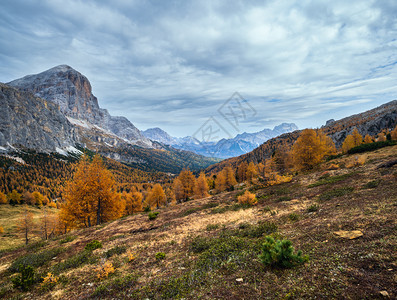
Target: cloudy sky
(173,64)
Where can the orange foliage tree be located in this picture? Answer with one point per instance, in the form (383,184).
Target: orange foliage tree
(201,187)
(188,182)
(252,171)
(90,196)
(225,179)
(352,140)
(133,202)
(3,198)
(368,139)
(310,148)
(156,197)
(393,134)
(179,192)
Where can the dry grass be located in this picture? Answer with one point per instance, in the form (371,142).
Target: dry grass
(9,218)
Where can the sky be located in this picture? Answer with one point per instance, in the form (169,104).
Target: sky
(238,65)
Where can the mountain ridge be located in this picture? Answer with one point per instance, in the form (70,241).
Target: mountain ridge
(72,91)
(224,148)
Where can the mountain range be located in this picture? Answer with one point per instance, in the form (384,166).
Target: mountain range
(224,148)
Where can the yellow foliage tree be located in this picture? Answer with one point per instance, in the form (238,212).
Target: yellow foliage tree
(156,197)
(225,179)
(352,140)
(38,198)
(368,139)
(381,137)
(201,187)
(3,198)
(220,181)
(242,172)
(393,134)
(133,202)
(357,137)
(188,181)
(178,190)
(90,196)
(310,148)
(252,171)
(247,198)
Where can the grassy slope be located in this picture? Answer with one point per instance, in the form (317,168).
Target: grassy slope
(338,268)
(9,219)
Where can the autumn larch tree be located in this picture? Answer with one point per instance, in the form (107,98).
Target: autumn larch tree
(252,171)
(368,139)
(178,189)
(310,148)
(3,198)
(393,134)
(225,179)
(201,187)
(188,181)
(38,198)
(381,137)
(242,172)
(352,140)
(25,223)
(90,195)
(14,197)
(133,202)
(156,197)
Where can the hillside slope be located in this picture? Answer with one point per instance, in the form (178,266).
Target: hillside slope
(211,245)
(370,122)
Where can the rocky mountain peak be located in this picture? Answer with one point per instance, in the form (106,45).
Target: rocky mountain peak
(66,87)
(72,92)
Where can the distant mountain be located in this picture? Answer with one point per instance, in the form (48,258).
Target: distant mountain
(159,135)
(370,122)
(224,148)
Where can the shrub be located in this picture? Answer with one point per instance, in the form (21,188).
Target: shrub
(49,282)
(211,227)
(26,279)
(116,250)
(370,147)
(131,256)
(105,270)
(200,244)
(372,184)
(160,255)
(222,251)
(247,198)
(280,253)
(67,239)
(74,262)
(284,198)
(330,180)
(312,208)
(153,215)
(256,231)
(293,217)
(94,244)
(35,259)
(328,195)
(1,230)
